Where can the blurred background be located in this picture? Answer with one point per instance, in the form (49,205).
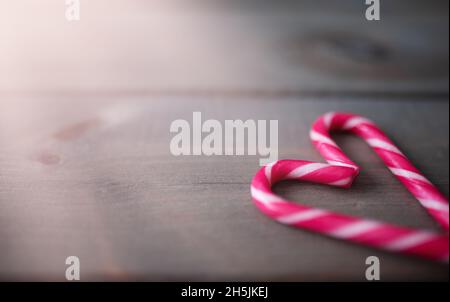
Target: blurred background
(224,46)
(85,110)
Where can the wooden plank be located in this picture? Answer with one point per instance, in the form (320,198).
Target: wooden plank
(184,46)
(93,177)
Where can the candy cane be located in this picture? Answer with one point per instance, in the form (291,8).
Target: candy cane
(340,172)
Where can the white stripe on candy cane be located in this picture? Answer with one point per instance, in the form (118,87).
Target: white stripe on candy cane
(434,204)
(410,240)
(355,229)
(327,119)
(408,174)
(317,137)
(265,198)
(341,164)
(302,216)
(306,169)
(268,171)
(341,182)
(377,143)
(356,121)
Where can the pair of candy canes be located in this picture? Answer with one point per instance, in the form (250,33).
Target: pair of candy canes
(340,172)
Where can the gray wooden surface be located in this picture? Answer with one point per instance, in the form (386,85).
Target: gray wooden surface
(85,110)
(111,193)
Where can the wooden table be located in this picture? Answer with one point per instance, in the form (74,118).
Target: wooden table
(85,111)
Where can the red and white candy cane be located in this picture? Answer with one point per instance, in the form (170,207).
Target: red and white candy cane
(340,172)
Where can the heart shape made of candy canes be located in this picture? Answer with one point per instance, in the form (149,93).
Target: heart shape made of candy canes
(340,172)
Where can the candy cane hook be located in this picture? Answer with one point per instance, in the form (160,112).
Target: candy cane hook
(341,172)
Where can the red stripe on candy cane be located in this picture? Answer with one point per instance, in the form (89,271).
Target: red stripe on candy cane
(340,171)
